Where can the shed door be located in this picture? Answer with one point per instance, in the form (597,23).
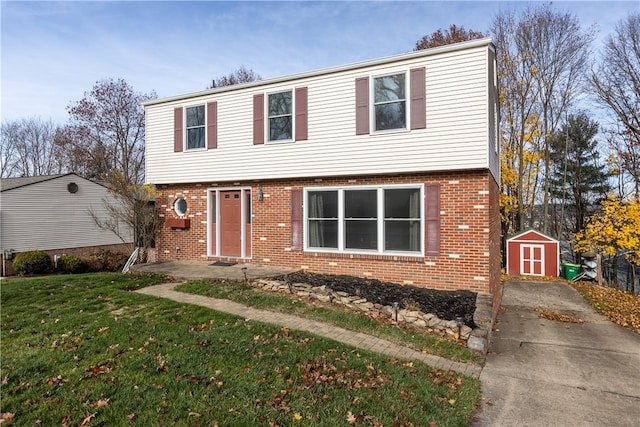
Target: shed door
(532,260)
(230,223)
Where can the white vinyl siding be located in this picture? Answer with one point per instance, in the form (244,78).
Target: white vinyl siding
(455,137)
(46,216)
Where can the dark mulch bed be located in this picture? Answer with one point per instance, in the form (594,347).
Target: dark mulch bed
(446,305)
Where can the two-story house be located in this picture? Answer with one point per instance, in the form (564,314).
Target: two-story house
(387,168)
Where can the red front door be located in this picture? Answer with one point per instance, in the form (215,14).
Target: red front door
(231,223)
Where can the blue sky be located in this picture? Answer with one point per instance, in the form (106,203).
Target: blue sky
(54,52)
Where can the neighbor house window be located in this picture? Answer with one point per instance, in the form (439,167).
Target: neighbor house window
(389,102)
(280,116)
(195,127)
(384,219)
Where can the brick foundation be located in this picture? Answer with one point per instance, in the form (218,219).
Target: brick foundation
(470,232)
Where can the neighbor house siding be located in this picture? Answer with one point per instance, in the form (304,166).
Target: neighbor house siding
(46,216)
(455,137)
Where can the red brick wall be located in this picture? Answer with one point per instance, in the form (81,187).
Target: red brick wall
(470,232)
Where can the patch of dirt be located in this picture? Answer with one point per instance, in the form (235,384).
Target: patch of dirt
(446,305)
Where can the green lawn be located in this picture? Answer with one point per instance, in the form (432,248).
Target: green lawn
(83,350)
(418,339)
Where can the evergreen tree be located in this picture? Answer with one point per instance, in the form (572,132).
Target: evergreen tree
(578,179)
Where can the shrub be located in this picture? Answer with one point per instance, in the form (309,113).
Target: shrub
(32,262)
(71,264)
(111,261)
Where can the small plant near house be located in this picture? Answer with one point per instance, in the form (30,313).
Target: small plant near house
(32,262)
(110,261)
(71,264)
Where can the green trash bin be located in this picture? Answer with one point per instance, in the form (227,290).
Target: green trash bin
(570,271)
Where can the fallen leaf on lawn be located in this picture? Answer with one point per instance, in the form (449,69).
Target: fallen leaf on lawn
(5,379)
(100,403)
(351,419)
(131,416)
(194,414)
(297,416)
(88,418)
(104,328)
(452,401)
(6,416)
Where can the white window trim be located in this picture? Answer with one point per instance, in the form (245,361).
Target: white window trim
(380,220)
(185,136)
(267,132)
(372,104)
(175,206)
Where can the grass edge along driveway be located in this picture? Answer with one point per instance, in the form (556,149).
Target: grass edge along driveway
(82,350)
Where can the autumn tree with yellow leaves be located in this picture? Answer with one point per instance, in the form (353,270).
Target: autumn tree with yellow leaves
(614,232)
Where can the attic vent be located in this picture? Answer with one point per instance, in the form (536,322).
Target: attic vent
(72,187)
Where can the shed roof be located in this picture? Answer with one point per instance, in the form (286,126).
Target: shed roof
(529,231)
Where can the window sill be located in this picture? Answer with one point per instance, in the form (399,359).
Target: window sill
(389,131)
(399,256)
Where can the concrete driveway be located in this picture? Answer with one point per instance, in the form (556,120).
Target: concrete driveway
(548,373)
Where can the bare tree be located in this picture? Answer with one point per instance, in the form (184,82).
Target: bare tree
(106,132)
(454,34)
(616,82)
(241,75)
(558,50)
(130,208)
(29,149)
(9,137)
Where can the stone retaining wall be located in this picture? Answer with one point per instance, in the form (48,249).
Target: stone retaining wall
(412,317)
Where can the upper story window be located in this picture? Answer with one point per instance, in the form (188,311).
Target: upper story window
(195,127)
(280,116)
(390,102)
(274,115)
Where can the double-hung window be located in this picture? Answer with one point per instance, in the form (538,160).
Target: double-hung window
(280,116)
(195,127)
(390,102)
(380,219)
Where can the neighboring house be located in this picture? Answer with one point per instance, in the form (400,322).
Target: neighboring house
(51,213)
(387,168)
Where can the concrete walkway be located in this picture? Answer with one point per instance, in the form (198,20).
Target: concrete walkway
(356,339)
(548,373)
